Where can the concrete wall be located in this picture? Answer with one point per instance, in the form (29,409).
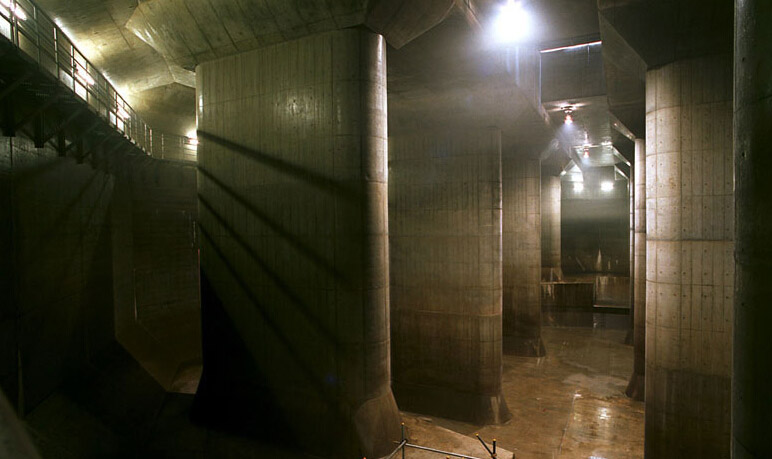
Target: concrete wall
(446,285)
(550,228)
(60,311)
(155,263)
(595,233)
(294,243)
(521,235)
(64,275)
(690,267)
(8,333)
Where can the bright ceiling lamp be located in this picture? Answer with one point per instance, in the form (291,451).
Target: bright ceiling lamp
(569,111)
(192,137)
(513,23)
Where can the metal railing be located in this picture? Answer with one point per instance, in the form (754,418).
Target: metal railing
(34,33)
(404,443)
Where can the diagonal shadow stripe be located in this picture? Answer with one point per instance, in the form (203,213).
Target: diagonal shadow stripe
(349,193)
(313,379)
(280,283)
(290,238)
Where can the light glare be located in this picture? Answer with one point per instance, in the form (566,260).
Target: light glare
(578,187)
(84,76)
(513,23)
(192,137)
(607,186)
(16,9)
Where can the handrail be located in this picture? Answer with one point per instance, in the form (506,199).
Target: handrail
(33,32)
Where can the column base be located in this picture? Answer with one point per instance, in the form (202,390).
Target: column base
(636,388)
(524,347)
(237,397)
(451,404)
(377,422)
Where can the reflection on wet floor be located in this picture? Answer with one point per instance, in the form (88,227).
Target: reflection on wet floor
(571,403)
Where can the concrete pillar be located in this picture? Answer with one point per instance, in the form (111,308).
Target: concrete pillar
(550,229)
(445,244)
(637,385)
(751,372)
(521,182)
(294,244)
(631,267)
(690,269)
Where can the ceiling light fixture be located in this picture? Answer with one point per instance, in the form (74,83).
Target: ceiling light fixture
(568,110)
(513,22)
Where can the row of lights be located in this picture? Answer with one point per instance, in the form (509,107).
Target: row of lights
(604,186)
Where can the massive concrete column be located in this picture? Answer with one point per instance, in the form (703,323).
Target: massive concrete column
(751,372)
(294,244)
(690,269)
(636,387)
(631,184)
(521,178)
(445,240)
(550,228)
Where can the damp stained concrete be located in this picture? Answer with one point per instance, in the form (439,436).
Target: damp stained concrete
(569,404)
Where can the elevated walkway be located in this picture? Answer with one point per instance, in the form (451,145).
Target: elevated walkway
(51,93)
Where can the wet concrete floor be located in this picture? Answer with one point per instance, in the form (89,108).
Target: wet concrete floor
(569,404)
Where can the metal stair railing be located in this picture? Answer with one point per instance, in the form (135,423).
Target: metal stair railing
(35,34)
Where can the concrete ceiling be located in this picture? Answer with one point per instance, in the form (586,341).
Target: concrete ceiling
(188,32)
(452,77)
(98,28)
(446,74)
(142,46)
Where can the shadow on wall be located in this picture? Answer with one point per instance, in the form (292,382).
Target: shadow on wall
(59,263)
(73,245)
(157,307)
(306,175)
(235,391)
(283,242)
